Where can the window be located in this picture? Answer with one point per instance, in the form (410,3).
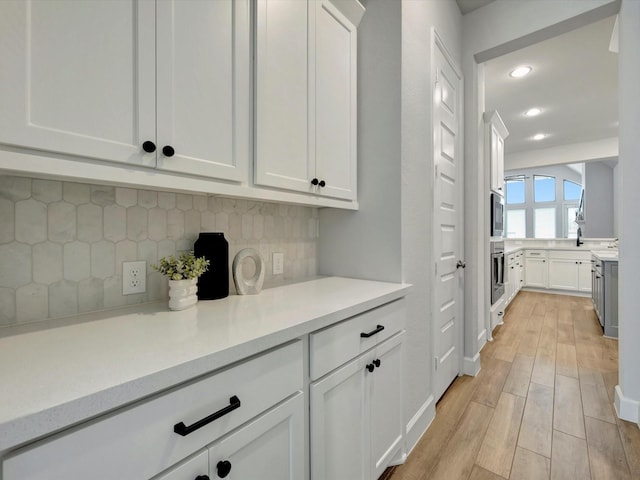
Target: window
(515,191)
(516,224)
(571,227)
(544,188)
(572,191)
(544,222)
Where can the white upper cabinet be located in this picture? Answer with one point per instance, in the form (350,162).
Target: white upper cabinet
(80,78)
(203,65)
(496,132)
(306,103)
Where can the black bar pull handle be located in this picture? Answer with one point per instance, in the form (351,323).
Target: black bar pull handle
(378,329)
(183,430)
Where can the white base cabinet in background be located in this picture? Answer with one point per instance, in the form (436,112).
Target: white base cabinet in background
(536,268)
(570,270)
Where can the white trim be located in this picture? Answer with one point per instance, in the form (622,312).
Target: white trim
(419,424)
(472,365)
(482,339)
(626,408)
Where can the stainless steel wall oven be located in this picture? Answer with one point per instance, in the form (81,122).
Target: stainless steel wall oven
(497,271)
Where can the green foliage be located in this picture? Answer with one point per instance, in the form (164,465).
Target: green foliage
(185,267)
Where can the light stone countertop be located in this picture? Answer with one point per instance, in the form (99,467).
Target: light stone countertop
(58,377)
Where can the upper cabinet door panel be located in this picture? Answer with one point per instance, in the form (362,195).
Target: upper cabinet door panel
(282,152)
(335,101)
(203,61)
(79,77)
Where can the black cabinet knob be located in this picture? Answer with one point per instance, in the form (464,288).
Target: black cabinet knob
(223,467)
(322,183)
(149,146)
(168,151)
(314,181)
(202,477)
(370,367)
(377,362)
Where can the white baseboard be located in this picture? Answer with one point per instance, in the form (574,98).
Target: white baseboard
(471,365)
(626,408)
(482,339)
(419,423)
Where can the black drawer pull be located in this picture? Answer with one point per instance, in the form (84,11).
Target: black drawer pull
(182,429)
(378,329)
(223,467)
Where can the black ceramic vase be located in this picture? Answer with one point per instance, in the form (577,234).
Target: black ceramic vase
(214,283)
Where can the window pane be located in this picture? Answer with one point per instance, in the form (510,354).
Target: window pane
(544,188)
(515,191)
(572,190)
(516,224)
(544,223)
(572,226)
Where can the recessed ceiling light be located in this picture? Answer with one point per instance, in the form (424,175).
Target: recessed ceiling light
(539,136)
(520,71)
(532,112)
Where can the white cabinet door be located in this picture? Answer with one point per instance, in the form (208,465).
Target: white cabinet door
(584,276)
(536,272)
(386,404)
(78,78)
(203,57)
(499,165)
(195,467)
(339,424)
(335,83)
(563,274)
(283,157)
(270,447)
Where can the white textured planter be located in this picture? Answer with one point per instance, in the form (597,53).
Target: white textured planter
(182,293)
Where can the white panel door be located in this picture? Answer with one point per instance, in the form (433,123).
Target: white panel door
(584,276)
(447,222)
(536,272)
(270,447)
(339,424)
(191,469)
(335,82)
(79,77)
(283,157)
(204,87)
(385,392)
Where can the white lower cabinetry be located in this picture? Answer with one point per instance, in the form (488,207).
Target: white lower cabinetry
(356,416)
(536,268)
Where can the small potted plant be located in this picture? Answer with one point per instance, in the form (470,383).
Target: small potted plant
(183,273)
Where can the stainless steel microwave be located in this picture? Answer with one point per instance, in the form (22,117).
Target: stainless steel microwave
(497,215)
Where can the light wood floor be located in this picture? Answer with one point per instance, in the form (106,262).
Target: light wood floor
(540,408)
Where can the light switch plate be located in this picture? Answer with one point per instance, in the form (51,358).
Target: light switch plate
(278,264)
(134,277)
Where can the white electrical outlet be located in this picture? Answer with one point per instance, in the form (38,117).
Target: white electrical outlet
(134,277)
(278,264)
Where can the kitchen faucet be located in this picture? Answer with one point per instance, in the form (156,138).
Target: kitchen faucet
(578,240)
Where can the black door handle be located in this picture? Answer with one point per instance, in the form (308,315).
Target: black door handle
(370,367)
(202,477)
(223,467)
(314,181)
(168,151)
(378,329)
(322,183)
(183,430)
(377,362)
(149,146)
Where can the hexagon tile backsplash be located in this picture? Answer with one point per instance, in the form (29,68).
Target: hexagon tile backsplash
(62,244)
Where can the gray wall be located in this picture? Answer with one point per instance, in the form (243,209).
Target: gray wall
(598,201)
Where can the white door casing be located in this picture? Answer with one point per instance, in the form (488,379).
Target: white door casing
(447,219)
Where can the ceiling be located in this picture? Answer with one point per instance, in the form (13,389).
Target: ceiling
(467,6)
(573,81)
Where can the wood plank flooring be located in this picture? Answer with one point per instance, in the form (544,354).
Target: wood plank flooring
(540,408)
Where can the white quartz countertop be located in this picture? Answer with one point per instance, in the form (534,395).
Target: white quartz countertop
(606,255)
(57,377)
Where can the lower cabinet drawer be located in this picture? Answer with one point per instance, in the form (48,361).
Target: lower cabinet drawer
(139,442)
(339,343)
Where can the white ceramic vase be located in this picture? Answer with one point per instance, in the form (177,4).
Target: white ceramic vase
(182,293)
